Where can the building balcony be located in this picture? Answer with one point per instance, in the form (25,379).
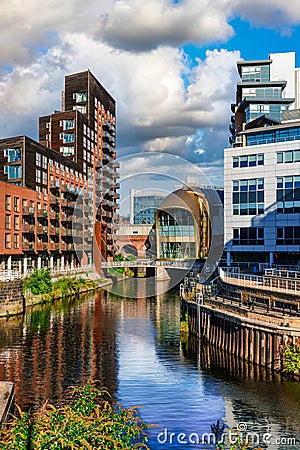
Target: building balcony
(68,189)
(54,185)
(28,228)
(54,215)
(41,229)
(42,213)
(53,199)
(28,246)
(54,230)
(42,246)
(65,218)
(54,246)
(28,210)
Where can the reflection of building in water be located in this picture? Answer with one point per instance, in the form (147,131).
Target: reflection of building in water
(56,348)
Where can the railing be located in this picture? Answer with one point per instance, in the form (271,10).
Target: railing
(148,263)
(9,275)
(271,283)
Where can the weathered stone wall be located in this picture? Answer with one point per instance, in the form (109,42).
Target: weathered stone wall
(11,301)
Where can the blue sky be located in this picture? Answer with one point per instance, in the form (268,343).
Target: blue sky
(170,65)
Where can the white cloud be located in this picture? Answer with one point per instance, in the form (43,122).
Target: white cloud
(146,24)
(155,110)
(270,13)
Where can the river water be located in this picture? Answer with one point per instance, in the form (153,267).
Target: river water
(133,346)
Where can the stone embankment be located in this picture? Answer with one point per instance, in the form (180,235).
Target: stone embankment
(13,301)
(6,400)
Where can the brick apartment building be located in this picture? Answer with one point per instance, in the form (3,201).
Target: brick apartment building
(59,195)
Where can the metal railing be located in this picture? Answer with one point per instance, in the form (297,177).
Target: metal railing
(271,283)
(9,275)
(148,263)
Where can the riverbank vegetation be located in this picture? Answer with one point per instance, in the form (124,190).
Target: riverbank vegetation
(291,359)
(39,283)
(86,420)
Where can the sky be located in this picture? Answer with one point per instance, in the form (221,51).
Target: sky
(170,65)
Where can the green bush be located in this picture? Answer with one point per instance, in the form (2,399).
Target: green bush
(291,358)
(39,282)
(88,421)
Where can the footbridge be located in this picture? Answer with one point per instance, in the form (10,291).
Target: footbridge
(184,265)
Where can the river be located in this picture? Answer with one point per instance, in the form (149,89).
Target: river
(133,347)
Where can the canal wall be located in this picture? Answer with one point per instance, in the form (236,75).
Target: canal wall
(11,301)
(7,397)
(253,336)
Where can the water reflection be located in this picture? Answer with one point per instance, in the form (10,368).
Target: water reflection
(55,346)
(133,346)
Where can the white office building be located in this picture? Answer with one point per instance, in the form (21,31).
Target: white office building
(262,168)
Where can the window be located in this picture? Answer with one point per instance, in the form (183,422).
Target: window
(38,159)
(16,241)
(67,137)
(288,236)
(248,236)
(16,204)
(7,221)
(8,202)
(7,240)
(45,178)
(67,150)
(79,97)
(248,196)
(81,109)
(45,162)
(13,171)
(38,176)
(281,135)
(16,222)
(13,154)
(248,160)
(288,194)
(67,124)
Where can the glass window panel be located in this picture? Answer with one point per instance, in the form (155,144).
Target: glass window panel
(288,207)
(280,233)
(296,155)
(279,183)
(279,157)
(260,233)
(243,185)
(260,196)
(252,160)
(243,161)
(280,207)
(260,160)
(252,209)
(288,157)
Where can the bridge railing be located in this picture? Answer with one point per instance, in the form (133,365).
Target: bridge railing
(147,263)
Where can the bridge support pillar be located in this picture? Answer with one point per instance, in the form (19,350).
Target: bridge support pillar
(162,274)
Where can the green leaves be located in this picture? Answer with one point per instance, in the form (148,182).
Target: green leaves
(87,421)
(39,282)
(291,358)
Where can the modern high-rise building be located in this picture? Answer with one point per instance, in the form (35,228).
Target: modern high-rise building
(262,168)
(143,205)
(63,189)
